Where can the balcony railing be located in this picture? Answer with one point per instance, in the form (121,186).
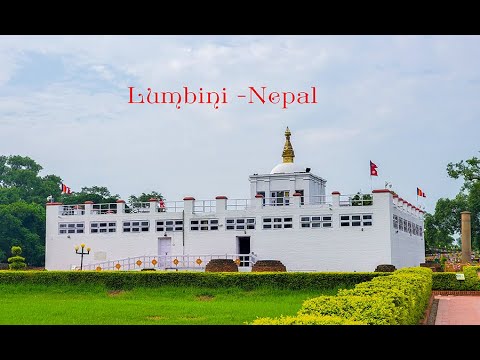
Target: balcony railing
(101,209)
(71,209)
(204,206)
(238,204)
(209,206)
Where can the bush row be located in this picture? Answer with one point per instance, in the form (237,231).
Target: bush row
(448,280)
(289,280)
(398,299)
(308,320)
(130,279)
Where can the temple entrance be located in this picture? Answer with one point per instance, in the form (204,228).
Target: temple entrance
(164,249)
(243,248)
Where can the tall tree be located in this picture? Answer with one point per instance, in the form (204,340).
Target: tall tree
(23,193)
(468,169)
(23,224)
(20,180)
(442,226)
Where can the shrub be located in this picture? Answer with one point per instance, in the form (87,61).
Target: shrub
(221,265)
(16,250)
(16,262)
(447,281)
(385,268)
(268,265)
(306,320)
(472,281)
(373,310)
(399,298)
(244,280)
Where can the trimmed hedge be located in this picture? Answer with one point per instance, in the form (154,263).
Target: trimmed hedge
(374,309)
(397,299)
(395,296)
(472,281)
(307,320)
(448,280)
(245,280)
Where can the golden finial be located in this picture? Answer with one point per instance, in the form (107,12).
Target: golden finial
(288,153)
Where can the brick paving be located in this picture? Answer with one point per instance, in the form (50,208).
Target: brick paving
(457,310)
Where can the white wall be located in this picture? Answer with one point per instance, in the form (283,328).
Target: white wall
(311,185)
(407,249)
(319,249)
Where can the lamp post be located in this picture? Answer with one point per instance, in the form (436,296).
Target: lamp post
(81,253)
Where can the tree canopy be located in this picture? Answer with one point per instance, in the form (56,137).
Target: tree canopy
(20,180)
(97,194)
(442,226)
(468,169)
(145,197)
(23,194)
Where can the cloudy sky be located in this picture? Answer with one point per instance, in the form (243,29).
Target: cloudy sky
(408,103)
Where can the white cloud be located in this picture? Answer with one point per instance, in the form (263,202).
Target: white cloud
(392,99)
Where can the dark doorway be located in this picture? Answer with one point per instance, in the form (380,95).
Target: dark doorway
(244,250)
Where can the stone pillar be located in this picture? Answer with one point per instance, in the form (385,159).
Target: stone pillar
(258,201)
(188,205)
(120,206)
(336,199)
(221,204)
(89,207)
(466,237)
(153,205)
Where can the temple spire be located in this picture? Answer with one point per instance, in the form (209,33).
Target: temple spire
(288,153)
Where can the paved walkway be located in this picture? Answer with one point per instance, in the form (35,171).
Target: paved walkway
(457,310)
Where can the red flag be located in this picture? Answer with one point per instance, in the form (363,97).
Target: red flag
(420,193)
(66,189)
(373,169)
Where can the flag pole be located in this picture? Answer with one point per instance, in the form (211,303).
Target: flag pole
(371,185)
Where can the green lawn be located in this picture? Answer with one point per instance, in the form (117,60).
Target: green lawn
(94,305)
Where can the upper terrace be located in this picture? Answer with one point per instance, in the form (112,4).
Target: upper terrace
(222,203)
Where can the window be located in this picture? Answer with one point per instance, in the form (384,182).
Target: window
(278,223)
(316,221)
(103,227)
(280,198)
(71,228)
(169,225)
(136,226)
(356,220)
(204,224)
(395,221)
(400,224)
(240,224)
(367,220)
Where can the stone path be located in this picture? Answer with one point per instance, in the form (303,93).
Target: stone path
(457,310)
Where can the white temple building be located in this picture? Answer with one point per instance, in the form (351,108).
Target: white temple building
(288,217)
